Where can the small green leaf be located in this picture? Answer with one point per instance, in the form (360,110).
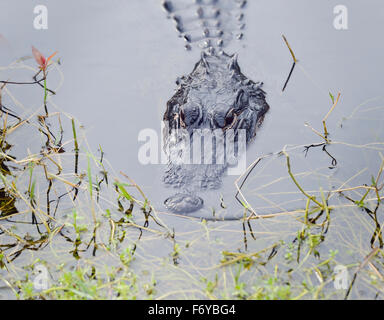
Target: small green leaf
(124,192)
(332,97)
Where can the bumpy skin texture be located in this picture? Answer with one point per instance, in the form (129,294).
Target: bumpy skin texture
(207,23)
(216,95)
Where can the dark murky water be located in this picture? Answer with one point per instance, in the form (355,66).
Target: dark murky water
(120,60)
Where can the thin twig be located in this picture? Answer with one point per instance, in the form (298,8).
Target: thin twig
(293,65)
(297,184)
(327,115)
(290,49)
(361,266)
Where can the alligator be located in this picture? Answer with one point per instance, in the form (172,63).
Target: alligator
(215,97)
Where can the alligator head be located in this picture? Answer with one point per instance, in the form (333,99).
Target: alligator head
(215,96)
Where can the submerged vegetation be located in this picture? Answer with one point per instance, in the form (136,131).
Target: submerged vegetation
(73,228)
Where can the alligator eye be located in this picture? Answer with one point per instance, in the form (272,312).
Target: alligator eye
(242,100)
(230,118)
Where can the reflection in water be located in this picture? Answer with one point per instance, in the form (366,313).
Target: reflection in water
(101,237)
(70,205)
(339,204)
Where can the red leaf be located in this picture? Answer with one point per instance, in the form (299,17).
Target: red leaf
(40,59)
(50,57)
